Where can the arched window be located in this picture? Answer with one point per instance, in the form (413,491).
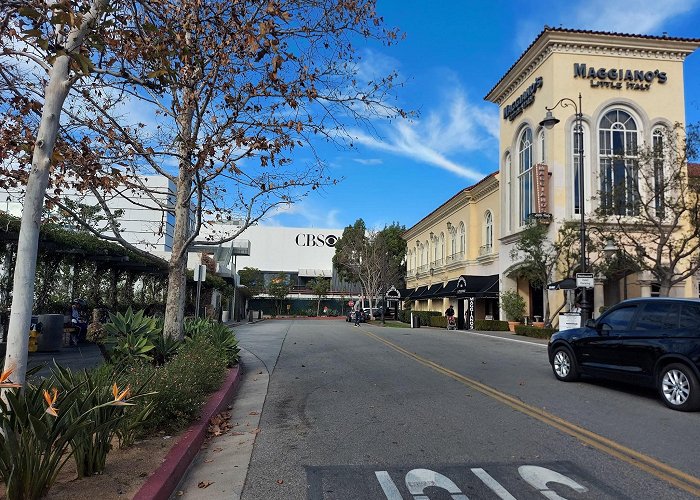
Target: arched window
(618,138)
(525,190)
(441,248)
(578,142)
(488,231)
(509,190)
(436,244)
(462,239)
(540,146)
(426,253)
(657,141)
(453,242)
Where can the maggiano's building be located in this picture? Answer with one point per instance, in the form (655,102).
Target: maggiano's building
(629,91)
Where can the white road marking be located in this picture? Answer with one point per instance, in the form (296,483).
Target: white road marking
(419,479)
(539,477)
(494,485)
(506,339)
(388,487)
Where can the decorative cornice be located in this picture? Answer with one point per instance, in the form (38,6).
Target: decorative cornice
(562,40)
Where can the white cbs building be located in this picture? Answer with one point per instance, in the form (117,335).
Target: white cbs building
(300,253)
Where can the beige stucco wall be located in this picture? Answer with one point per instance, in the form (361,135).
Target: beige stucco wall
(469,207)
(552,57)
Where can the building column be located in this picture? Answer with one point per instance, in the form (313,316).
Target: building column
(645,287)
(430,304)
(598,295)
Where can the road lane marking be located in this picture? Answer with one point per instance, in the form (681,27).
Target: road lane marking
(650,465)
(493,485)
(507,339)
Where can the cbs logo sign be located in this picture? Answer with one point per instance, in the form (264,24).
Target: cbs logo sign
(316,240)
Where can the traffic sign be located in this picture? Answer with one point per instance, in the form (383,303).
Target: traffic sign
(584,280)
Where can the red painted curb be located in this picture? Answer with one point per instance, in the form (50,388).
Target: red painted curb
(162,483)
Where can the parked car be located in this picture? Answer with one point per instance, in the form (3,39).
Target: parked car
(653,342)
(350,316)
(377,312)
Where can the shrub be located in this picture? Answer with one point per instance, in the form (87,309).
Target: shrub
(183,383)
(533,331)
(491,325)
(425,316)
(405,316)
(438,321)
(164,348)
(222,337)
(513,305)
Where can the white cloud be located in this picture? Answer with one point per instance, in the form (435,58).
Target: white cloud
(458,127)
(639,17)
(306,213)
(645,18)
(368,161)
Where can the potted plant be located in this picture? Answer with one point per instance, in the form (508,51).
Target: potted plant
(513,305)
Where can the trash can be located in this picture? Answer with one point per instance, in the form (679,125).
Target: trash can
(224,316)
(51,337)
(415,321)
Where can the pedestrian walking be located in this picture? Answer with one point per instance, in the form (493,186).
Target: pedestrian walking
(357,313)
(450,313)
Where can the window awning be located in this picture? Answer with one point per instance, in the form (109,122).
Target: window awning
(426,292)
(472,286)
(565,284)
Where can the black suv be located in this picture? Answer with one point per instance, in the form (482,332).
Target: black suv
(650,341)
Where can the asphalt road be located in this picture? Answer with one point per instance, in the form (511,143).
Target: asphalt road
(390,413)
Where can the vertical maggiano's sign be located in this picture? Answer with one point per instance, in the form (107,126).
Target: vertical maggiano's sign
(511,111)
(619,78)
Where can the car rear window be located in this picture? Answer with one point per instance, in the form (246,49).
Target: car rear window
(690,316)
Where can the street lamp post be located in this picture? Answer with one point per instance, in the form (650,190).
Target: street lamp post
(549,122)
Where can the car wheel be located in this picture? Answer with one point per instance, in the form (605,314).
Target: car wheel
(564,365)
(679,387)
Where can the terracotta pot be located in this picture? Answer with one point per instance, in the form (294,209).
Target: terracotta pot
(512,325)
(538,324)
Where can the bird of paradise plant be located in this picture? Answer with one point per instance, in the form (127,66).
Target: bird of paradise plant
(108,407)
(42,426)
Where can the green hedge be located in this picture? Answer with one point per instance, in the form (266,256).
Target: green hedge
(438,321)
(533,331)
(490,325)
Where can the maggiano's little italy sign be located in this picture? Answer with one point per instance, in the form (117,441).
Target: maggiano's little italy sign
(619,78)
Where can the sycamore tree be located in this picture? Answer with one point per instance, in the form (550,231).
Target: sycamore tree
(243,85)
(229,90)
(650,207)
(374,259)
(50,54)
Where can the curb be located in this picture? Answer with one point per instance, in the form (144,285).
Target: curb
(162,483)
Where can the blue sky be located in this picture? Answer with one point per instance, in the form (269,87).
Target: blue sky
(453,54)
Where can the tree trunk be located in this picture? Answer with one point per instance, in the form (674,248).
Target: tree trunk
(28,242)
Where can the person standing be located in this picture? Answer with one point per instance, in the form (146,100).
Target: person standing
(357,313)
(78,323)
